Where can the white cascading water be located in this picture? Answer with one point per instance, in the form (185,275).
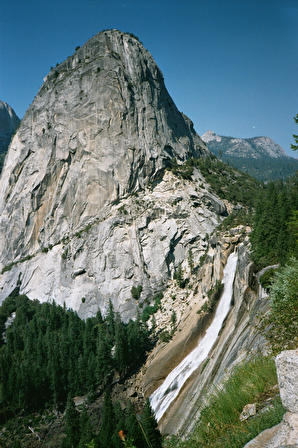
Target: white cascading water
(161,399)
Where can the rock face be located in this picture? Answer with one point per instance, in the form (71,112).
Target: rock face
(287,372)
(285,434)
(260,157)
(9,122)
(87,209)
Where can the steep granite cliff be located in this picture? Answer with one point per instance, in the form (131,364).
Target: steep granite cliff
(8,125)
(9,122)
(87,208)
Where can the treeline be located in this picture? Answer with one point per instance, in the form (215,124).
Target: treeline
(274,236)
(48,352)
(225,181)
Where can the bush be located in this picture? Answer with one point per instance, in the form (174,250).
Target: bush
(165,336)
(282,321)
(267,278)
(136,292)
(214,295)
(149,310)
(184,171)
(178,276)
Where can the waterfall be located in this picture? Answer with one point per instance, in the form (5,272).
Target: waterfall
(163,396)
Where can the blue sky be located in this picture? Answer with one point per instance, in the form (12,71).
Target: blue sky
(230,65)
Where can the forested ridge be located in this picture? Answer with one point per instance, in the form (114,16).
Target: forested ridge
(275,223)
(263,168)
(48,355)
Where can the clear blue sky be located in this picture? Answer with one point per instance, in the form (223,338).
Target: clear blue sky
(230,65)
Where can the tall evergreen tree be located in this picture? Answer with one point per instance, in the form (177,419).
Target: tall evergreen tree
(107,422)
(72,425)
(120,346)
(149,425)
(295,147)
(86,433)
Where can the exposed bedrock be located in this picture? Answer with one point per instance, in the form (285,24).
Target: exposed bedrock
(86,208)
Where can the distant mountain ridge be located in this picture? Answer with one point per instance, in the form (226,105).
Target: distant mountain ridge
(260,157)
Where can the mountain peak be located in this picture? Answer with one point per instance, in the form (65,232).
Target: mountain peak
(100,132)
(210,136)
(260,157)
(8,125)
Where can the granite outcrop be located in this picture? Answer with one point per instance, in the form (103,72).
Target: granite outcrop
(88,206)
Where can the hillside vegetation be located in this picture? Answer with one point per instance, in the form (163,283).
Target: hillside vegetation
(48,355)
(219,424)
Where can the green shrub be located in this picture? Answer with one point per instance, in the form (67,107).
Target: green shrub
(136,292)
(149,310)
(203,259)
(214,295)
(267,278)
(178,276)
(184,171)
(64,254)
(165,336)
(282,321)
(190,261)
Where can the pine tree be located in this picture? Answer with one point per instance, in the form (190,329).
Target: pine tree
(86,433)
(107,422)
(104,360)
(132,426)
(120,346)
(149,425)
(72,424)
(295,147)
(110,320)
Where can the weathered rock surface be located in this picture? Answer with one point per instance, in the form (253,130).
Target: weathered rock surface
(287,373)
(87,210)
(8,125)
(283,435)
(248,411)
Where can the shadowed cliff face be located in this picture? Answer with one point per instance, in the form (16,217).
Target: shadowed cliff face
(8,125)
(101,128)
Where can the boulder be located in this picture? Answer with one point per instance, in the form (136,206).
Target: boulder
(283,435)
(249,410)
(287,373)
